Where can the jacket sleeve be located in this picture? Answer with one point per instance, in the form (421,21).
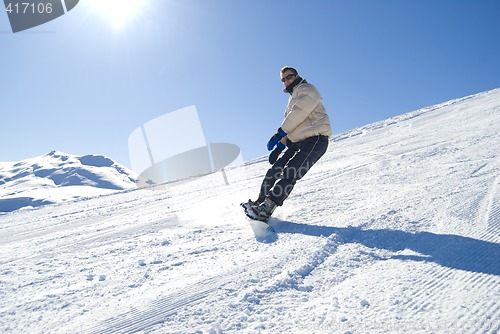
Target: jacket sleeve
(303,104)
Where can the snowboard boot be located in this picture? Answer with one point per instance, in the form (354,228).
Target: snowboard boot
(249,204)
(263,211)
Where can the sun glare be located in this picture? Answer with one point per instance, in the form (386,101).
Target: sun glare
(117,12)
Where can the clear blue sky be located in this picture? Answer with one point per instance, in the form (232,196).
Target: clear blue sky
(83,82)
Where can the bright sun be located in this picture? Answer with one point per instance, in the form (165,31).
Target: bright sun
(117,12)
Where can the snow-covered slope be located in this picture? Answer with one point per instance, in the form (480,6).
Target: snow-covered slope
(57,177)
(396,230)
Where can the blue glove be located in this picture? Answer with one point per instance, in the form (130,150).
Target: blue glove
(276,153)
(275,139)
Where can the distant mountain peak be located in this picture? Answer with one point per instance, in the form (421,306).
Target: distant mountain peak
(39,181)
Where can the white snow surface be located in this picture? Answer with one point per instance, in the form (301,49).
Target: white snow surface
(395,230)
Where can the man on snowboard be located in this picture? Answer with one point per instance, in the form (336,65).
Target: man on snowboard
(303,137)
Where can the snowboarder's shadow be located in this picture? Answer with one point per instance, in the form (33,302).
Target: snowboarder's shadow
(453,251)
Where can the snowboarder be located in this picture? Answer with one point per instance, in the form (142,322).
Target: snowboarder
(298,144)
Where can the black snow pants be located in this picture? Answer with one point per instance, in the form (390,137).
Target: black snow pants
(291,167)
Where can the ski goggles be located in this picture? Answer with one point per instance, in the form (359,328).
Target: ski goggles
(288,77)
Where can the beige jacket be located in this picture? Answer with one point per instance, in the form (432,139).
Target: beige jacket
(305,115)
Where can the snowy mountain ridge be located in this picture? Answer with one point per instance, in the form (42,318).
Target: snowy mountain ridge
(401,118)
(57,177)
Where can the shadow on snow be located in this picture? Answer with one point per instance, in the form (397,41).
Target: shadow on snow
(453,251)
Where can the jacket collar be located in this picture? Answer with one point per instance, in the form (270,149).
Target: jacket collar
(295,83)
